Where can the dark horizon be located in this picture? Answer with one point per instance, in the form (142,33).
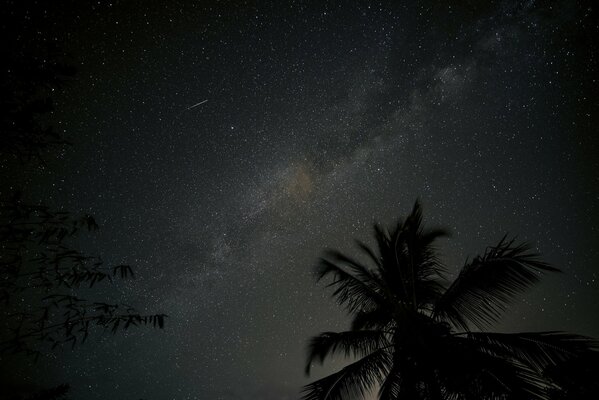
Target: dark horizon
(222,148)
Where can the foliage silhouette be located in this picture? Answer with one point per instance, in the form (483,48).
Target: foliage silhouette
(40,270)
(413,338)
(575,379)
(38,264)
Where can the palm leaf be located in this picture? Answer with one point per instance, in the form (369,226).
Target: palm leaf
(469,371)
(357,269)
(538,350)
(423,251)
(486,286)
(391,386)
(353,381)
(350,343)
(377,318)
(350,290)
(376,259)
(408,259)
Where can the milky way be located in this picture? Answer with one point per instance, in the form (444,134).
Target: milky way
(321,119)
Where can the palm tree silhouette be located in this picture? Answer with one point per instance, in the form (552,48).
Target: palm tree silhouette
(413,338)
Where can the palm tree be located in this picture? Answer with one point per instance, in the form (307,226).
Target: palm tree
(413,338)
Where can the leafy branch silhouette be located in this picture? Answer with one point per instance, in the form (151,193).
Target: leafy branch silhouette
(37,263)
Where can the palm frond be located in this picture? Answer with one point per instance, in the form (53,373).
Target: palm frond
(428,292)
(575,378)
(355,292)
(382,237)
(351,382)
(378,318)
(467,370)
(538,350)
(349,343)
(357,269)
(485,287)
(408,258)
(391,386)
(376,259)
(422,249)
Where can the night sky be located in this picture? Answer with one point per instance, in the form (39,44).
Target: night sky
(316,120)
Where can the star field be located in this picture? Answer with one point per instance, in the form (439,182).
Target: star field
(321,119)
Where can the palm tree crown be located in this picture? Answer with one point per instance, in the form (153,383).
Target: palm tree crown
(413,338)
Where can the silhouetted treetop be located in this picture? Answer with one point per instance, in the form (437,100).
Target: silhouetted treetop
(414,336)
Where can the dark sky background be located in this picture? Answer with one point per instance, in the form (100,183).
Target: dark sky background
(320,119)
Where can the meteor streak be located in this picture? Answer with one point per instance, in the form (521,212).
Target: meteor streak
(188,108)
(197,104)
